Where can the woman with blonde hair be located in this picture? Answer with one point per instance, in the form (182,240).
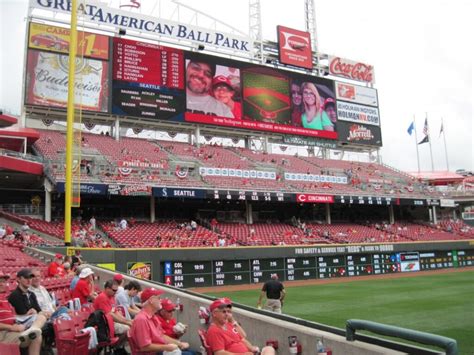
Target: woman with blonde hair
(314,117)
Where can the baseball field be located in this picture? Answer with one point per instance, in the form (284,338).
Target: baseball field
(439,302)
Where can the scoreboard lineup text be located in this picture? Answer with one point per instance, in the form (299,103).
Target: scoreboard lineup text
(206,273)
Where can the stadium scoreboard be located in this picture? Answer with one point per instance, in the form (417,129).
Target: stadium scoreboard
(246,271)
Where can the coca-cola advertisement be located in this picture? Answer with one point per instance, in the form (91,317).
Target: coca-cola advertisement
(295,47)
(47,81)
(350,69)
(356,133)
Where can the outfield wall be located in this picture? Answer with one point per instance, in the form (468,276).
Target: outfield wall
(204,267)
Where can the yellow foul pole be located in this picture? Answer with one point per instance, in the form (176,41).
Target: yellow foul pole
(70,124)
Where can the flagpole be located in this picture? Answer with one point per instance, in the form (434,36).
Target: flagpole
(416,144)
(445,148)
(429,141)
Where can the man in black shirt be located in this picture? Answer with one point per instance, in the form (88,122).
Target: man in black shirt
(274,291)
(23,300)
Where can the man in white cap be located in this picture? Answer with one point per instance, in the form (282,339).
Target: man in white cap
(84,289)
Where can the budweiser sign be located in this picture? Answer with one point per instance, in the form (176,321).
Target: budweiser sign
(352,70)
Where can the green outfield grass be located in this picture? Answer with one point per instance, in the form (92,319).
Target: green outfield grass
(441,304)
(266,81)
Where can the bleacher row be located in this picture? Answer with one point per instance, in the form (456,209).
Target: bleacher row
(178,234)
(159,160)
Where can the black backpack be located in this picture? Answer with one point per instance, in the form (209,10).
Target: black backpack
(98,320)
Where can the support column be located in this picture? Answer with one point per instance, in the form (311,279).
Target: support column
(117,130)
(328,213)
(391,214)
(248,213)
(435,218)
(247,142)
(47,200)
(197,134)
(47,205)
(152,209)
(430,214)
(266,145)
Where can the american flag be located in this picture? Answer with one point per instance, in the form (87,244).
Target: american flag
(425,128)
(426,138)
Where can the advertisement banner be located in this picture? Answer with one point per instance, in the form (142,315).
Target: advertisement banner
(355,93)
(295,47)
(178,193)
(350,69)
(56,39)
(140,270)
(314,198)
(357,113)
(129,190)
(321,143)
(359,134)
(47,81)
(87,189)
(91,11)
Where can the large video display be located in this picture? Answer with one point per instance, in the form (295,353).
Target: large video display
(149,81)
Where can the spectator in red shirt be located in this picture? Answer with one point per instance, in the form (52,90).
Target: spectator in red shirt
(105,301)
(168,323)
(55,268)
(84,289)
(26,334)
(147,334)
(223,337)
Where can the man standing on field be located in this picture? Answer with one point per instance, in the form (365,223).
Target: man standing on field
(274,291)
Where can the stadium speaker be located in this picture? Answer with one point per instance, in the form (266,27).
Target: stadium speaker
(269,61)
(201,47)
(122,32)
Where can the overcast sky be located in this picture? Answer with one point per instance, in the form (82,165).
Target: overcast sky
(422,51)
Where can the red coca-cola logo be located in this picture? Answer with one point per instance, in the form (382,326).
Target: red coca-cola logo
(356,71)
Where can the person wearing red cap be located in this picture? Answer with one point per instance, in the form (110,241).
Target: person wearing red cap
(223,337)
(146,332)
(330,108)
(198,87)
(119,279)
(55,268)
(105,302)
(223,91)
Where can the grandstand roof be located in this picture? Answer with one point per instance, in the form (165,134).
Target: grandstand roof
(438,177)
(6,121)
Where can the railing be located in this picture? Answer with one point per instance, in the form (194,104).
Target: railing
(29,157)
(25,209)
(468,215)
(450,345)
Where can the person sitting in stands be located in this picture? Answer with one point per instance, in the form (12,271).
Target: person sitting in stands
(84,289)
(24,331)
(146,332)
(223,337)
(126,299)
(55,268)
(105,302)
